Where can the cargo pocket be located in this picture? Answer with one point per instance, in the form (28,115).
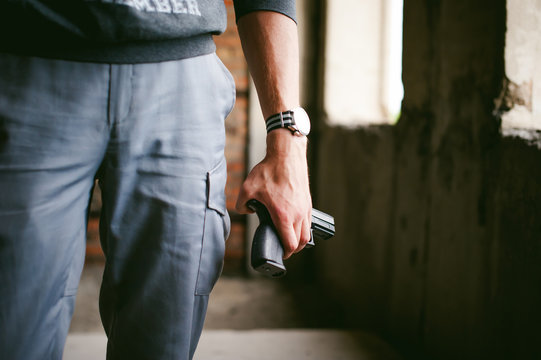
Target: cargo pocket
(215,231)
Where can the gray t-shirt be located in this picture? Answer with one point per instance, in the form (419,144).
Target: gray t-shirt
(120,31)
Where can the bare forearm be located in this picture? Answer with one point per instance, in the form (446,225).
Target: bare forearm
(270,44)
(280,181)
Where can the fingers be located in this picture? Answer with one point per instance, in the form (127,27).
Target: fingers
(293,231)
(282,186)
(289,242)
(305,234)
(294,235)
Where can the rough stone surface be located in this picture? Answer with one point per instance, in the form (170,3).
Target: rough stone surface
(522,59)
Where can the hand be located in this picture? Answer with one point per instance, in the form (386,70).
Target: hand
(280,182)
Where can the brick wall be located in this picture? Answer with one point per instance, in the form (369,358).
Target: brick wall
(230,51)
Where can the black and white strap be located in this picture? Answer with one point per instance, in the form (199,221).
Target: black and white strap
(280,120)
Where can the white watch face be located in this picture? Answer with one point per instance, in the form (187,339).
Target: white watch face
(302,121)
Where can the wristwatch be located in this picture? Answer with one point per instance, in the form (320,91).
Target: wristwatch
(295,120)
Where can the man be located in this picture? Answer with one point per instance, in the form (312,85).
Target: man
(131,92)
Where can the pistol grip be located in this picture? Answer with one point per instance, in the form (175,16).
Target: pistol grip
(267,252)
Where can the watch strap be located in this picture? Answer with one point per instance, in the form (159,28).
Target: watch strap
(280,120)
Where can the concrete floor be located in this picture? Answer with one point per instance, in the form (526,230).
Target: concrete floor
(277,344)
(246,319)
(236,303)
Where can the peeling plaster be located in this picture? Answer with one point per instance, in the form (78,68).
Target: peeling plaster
(520,102)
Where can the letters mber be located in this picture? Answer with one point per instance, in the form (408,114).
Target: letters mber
(163,6)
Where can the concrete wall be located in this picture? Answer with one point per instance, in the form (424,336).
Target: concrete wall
(438,244)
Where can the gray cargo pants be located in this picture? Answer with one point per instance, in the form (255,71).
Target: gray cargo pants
(153,135)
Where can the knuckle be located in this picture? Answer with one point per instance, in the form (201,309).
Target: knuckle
(246,188)
(289,247)
(283,216)
(280,212)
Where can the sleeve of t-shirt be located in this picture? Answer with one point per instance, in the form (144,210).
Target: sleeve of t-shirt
(286,7)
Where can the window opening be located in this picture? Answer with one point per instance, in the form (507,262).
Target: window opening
(363,62)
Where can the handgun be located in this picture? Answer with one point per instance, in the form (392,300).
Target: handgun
(267,251)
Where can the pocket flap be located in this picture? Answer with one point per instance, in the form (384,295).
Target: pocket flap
(216,179)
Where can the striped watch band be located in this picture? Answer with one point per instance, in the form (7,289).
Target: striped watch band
(295,120)
(280,120)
